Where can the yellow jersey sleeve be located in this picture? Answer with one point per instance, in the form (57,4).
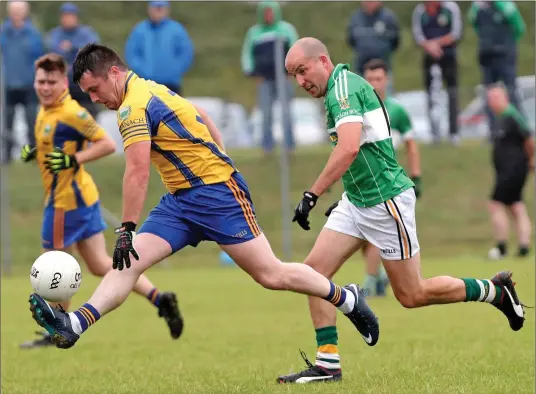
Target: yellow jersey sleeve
(133,124)
(84,123)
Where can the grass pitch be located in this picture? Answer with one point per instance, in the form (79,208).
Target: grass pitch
(239,337)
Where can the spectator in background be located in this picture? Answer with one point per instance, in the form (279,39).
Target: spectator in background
(258,62)
(499,26)
(513,158)
(21,45)
(160,48)
(437,27)
(373,33)
(66,40)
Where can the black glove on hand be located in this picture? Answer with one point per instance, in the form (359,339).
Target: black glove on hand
(58,160)
(124,247)
(301,213)
(28,153)
(418,185)
(331,208)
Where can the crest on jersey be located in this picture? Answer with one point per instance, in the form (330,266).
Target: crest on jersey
(48,129)
(124,112)
(82,115)
(343,103)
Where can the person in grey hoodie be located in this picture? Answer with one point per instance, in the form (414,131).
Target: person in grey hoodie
(258,61)
(373,33)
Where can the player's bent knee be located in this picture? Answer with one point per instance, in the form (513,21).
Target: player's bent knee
(272,278)
(410,298)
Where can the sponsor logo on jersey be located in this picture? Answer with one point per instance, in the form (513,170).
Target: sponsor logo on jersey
(124,112)
(82,115)
(343,103)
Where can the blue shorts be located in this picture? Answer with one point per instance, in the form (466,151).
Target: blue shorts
(63,228)
(221,212)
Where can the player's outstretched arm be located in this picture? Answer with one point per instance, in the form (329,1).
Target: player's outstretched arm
(99,148)
(349,135)
(136,179)
(414,163)
(211,126)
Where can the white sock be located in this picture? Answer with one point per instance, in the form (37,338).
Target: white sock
(349,302)
(75,323)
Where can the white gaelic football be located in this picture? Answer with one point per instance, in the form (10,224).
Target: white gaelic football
(56,276)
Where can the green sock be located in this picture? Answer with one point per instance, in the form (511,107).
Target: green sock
(482,290)
(327,355)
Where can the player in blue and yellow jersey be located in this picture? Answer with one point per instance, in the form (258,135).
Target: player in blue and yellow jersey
(72,215)
(207,199)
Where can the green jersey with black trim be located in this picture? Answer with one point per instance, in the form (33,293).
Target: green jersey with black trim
(375,176)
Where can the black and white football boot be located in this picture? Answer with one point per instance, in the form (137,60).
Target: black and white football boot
(313,374)
(509,303)
(362,316)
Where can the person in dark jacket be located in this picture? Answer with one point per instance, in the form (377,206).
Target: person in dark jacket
(160,49)
(499,26)
(258,61)
(66,40)
(437,27)
(21,45)
(373,33)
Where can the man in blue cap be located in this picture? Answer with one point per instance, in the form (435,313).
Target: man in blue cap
(159,48)
(66,40)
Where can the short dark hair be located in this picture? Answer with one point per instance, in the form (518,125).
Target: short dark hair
(96,59)
(375,64)
(51,62)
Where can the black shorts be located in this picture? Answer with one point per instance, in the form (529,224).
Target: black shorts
(509,186)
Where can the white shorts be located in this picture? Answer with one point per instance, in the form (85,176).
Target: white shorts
(390,226)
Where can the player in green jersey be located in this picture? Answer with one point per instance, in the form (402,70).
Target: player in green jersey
(376,73)
(378,206)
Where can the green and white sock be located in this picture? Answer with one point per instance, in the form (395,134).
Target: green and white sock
(327,355)
(482,291)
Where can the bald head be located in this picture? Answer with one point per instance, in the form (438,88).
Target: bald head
(17,11)
(308,47)
(308,61)
(497,99)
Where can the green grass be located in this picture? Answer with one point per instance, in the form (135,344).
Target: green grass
(239,337)
(218,29)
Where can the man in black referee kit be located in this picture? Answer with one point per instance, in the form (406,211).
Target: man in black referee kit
(513,158)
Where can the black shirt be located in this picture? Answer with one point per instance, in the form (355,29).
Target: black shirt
(508,142)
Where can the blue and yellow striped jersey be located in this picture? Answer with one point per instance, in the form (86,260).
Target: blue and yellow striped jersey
(70,127)
(182,149)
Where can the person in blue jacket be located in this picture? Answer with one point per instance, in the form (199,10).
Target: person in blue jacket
(160,48)
(21,45)
(66,40)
